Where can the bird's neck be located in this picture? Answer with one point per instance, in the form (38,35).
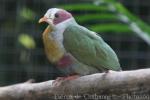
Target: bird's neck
(53,40)
(52,49)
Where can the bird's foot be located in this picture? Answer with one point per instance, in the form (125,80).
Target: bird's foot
(60,80)
(72,77)
(109,71)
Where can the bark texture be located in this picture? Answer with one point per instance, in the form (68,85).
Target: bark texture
(125,85)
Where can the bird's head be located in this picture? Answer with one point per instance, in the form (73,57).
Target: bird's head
(55,16)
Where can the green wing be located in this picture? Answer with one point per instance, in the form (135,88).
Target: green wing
(89,48)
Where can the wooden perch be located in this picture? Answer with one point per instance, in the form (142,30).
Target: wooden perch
(125,85)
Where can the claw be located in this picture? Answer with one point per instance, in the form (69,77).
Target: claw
(60,80)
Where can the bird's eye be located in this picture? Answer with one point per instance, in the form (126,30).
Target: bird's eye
(56,15)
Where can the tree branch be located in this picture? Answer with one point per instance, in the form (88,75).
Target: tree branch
(125,85)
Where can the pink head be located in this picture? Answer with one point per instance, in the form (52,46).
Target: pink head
(55,16)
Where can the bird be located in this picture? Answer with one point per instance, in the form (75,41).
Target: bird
(74,49)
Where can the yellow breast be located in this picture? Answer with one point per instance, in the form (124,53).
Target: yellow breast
(52,50)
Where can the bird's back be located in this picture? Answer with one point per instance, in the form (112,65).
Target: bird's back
(89,48)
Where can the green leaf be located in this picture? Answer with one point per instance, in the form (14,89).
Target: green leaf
(27,41)
(102,16)
(111,27)
(132,17)
(27,14)
(79,7)
(136,24)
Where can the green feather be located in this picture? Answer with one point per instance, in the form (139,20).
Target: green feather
(89,48)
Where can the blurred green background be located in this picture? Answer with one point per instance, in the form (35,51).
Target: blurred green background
(124,25)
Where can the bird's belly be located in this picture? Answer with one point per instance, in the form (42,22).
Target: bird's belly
(68,65)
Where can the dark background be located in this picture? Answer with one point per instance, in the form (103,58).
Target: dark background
(18,64)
